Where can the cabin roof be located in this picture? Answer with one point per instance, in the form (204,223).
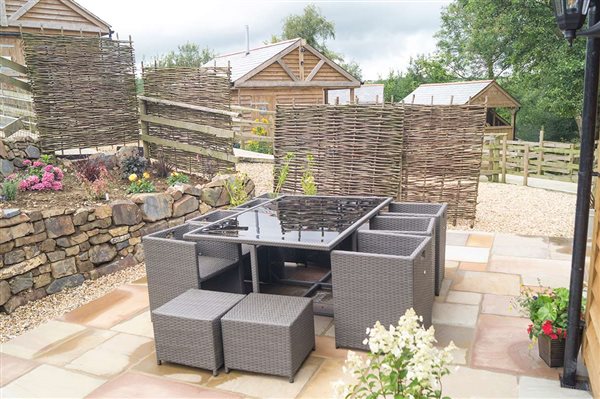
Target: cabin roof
(245,64)
(367,93)
(50,14)
(459,93)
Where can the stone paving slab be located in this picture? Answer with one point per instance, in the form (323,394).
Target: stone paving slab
(548,272)
(48,381)
(455,314)
(13,367)
(501,305)
(467,254)
(521,246)
(465,382)
(134,385)
(115,307)
(487,283)
(530,387)
(72,348)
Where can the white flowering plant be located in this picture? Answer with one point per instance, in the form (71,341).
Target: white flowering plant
(402,363)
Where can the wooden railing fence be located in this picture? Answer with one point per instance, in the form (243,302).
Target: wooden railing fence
(16,103)
(544,159)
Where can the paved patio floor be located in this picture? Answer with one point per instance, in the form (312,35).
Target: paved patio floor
(105,348)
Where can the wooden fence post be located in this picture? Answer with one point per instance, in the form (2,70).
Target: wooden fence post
(541,156)
(504,150)
(526,164)
(145,130)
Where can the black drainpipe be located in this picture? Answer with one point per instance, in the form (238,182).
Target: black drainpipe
(582,211)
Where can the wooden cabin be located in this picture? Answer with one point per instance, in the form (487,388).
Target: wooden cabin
(478,92)
(287,72)
(48,16)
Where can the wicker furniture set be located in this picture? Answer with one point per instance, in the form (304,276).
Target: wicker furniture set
(384,257)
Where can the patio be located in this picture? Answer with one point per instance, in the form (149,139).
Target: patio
(105,348)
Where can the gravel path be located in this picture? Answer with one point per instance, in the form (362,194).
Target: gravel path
(260,173)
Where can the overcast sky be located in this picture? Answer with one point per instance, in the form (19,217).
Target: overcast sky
(379,35)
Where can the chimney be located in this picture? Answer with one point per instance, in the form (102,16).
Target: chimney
(247,40)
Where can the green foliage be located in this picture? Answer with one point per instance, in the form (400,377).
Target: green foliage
(133,165)
(316,29)
(48,159)
(420,70)
(176,177)
(187,55)
(9,189)
(308,179)
(517,42)
(283,172)
(237,190)
(547,309)
(142,185)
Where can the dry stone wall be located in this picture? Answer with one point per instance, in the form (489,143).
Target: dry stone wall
(43,252)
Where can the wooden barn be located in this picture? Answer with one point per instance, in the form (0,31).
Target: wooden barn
(287,72)
(47,16)
(478,92)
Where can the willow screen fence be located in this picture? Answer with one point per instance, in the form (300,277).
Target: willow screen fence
(410,152)
(83,90)
(186,117)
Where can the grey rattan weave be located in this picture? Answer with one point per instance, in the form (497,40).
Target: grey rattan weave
(440,212)
(389,274)
(412,225)
(187,329)
(270,334)
(173,265)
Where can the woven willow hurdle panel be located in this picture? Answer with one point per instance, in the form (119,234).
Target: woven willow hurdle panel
(441,160)
(410,152)
(207,87)
(357,148)
(83,90)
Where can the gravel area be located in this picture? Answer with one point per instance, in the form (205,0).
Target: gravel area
(53,306)
(260,173)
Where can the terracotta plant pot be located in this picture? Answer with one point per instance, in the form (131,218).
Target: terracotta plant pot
(552,351)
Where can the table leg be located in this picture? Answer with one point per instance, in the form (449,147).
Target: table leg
(254,269)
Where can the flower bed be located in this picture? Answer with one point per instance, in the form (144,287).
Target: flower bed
(55,237)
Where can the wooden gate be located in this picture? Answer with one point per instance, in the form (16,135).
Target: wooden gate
(591,338)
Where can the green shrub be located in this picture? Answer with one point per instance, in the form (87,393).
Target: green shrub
(9,189)
(237,190)
(176,177)
(283,172)
(308,179)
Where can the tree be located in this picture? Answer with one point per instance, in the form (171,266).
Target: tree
(421,70)
(313,27)
(187,55)
(518,43)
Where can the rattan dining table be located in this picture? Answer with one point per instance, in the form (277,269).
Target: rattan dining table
(318,223)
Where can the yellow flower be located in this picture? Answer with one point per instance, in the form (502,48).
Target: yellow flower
(265,120)
(256,120)
(146,175)
(132,177)
(175,174)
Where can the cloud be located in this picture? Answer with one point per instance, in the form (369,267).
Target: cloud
(379,35)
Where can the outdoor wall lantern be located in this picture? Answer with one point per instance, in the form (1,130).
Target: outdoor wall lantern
(570,16)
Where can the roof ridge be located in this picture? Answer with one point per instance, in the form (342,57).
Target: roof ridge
(259,48)
(459,82)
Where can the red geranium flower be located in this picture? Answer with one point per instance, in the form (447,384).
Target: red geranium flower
(553,336)
(529,328)
(547,327)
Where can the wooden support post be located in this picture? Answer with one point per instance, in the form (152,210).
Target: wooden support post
(526,164)
(504,151)
(145,130)
(496,164)
(541,156)
(572,159)
(352,96)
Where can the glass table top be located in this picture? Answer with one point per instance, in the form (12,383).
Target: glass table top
(310,220)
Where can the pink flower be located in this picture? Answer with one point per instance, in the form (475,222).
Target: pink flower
(57,186)
(38,187)
(38,164)
(48,177)
(33,179)
(23,185)
(49,168)
(27,162)
(11,177)
(58,173)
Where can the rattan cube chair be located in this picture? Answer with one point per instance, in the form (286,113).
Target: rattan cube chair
(388,274)
(187,329)
(174,265)
(269,334)
(402,224)
(440,213)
